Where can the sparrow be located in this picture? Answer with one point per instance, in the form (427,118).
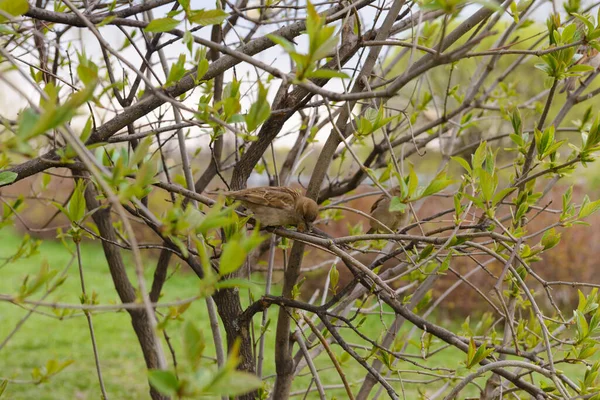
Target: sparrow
(380,210)
(277,206)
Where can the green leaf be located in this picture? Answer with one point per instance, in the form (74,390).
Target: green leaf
(477,201)
(106,21)
(232,257)
(439,183)
(259,111)
(53,367)
(162,25)
(582,326)
(327,74)
(586,21)
(490,5)
(502,194)
(426,252)
(177,71)
(413,182)
(445,264)
(475,357)
(237,283)
(76,205)
(463,163)
(471,350)
(283,42)
(233,383)
(396,205)
(3,385)
(27,122)
(588,208)
(7,177)
(208,17)
(193,344)
(554,147)
(516,121)
(141,151)
(334,279)
(479,156)
(487,183)
(53,115)
(13,7)
(579,68)
(87,71)
(202,68)
(517,139)
(550,239)
(296,288)
(164,381)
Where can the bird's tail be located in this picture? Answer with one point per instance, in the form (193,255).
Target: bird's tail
(569,85)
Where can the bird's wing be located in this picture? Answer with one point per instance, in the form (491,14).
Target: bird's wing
(395,191)
(378,202)
(275,197)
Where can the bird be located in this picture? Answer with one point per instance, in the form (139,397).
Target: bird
(383,217)
(277,206)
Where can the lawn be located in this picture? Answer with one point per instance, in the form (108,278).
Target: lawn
(44,337)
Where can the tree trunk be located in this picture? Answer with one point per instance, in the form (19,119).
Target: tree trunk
(125,290)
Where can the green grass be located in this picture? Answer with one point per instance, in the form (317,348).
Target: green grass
(43,338)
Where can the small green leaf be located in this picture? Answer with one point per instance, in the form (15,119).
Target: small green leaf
(327,74)
(413,182)
(259,111)
(7,177)
(334,278)
(588,208)
(164,381)
(396,205)
(283,42)
(490,5)
(106,21)
(208,17)
(237,283)
(439,183)
(233,383)
(463,163)
(445,264)
(76,205)
(202,68)
(193,344)
(516,121)
(141,152)
(582,326)
(550,239)
(177,71)
(426,252)
(479,156)
(162,25)
(13,7)
(501,195)
(476,357)
(3,385)
(232,257)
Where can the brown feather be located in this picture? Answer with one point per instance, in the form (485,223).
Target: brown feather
(380,211)
(270,196)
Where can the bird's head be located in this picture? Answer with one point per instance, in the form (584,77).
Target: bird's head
(308,210)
